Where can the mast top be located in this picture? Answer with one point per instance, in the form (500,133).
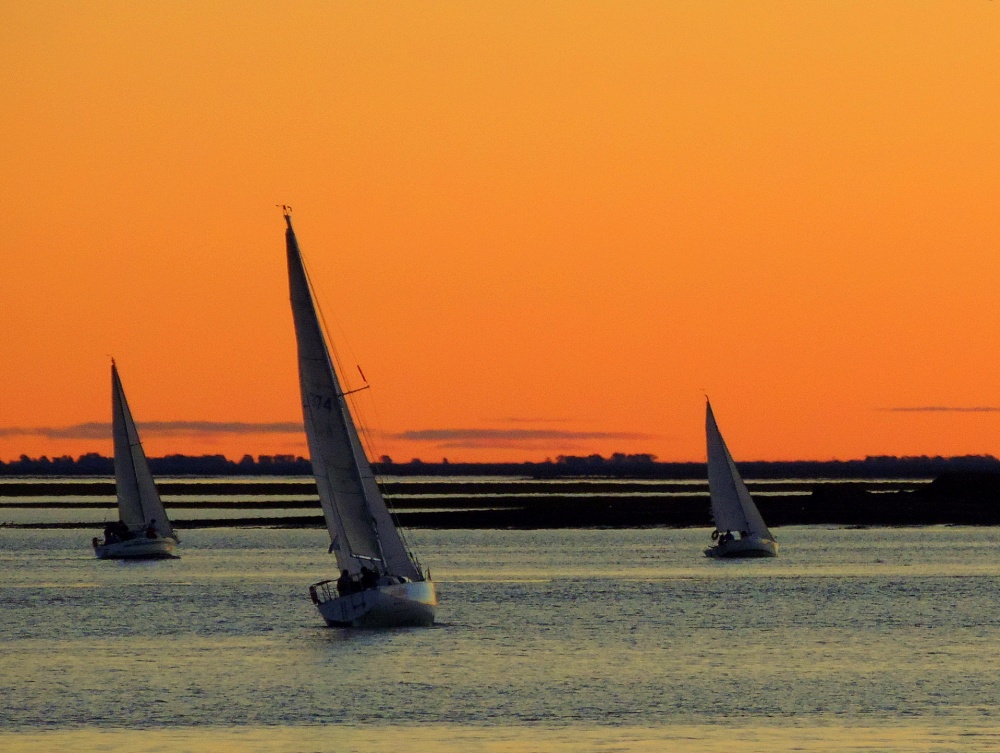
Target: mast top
(286,212)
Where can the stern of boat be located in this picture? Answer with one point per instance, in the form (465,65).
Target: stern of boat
(407,604)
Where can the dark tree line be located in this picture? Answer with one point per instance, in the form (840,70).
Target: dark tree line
(93,464)
(618,465)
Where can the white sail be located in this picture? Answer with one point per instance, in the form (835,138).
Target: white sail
(732,507)
(138,500)
(360,525)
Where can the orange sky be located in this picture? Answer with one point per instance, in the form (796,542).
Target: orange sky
(566,219)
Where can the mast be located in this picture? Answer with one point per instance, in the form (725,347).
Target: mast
(359,523)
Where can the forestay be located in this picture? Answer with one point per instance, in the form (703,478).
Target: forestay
(138,500)
(360,525)
(732,507)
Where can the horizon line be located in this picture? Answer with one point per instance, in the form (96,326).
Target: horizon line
(632,458)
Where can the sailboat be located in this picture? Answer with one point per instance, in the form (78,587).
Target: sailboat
(143,530)
(381,583)
(740,531)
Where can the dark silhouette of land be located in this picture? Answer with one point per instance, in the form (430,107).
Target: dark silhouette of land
(618,465)
(621,491)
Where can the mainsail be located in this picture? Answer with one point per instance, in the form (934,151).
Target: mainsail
(732,507)
(138,500)
(360,525)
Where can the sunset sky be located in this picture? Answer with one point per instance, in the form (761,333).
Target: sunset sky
(539,228)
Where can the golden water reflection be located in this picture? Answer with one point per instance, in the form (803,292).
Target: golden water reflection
(916,738)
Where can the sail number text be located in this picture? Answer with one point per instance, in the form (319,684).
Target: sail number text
(319,401)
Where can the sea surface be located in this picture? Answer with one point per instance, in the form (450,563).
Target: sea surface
(567,640)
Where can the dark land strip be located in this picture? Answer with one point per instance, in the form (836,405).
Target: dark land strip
(953,498)
(307,488)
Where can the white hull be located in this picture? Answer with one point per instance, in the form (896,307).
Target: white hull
(408,604)
(753,546)
(136,549)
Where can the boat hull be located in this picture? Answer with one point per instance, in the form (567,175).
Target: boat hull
(408,604)
(753,546)
(137,549)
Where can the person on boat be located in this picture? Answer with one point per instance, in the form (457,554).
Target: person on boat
(110,536)
(344,584)
(726,537)
(369,578)
(744,534)
(151,529)
(122,533)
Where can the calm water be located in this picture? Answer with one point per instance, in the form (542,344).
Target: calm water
(592,640)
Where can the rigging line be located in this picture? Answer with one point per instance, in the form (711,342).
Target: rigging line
(360,412)
(364,432)
(353,405)
(367,440)
(339,374)
(356,407)
(363,426)
(373,436)
(331,345)
(351,392)
(369,445)
(365,436)
(393,515)
(342,373)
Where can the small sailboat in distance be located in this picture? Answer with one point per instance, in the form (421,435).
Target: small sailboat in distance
(381,583)
(740,531)
(143,530)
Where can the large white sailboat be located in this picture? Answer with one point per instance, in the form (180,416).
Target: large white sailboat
(740,531)
(143,530)
(381,583)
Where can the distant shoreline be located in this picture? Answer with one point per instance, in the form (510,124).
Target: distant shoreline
(954,498)
(618,466)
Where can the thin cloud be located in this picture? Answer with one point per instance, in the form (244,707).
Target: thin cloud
(945,409)
(511,438)
(95,430)
(219,427)
(79,431)
(516,420)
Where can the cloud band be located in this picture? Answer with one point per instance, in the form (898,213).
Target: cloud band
(96,430)
(511,438)
(945,409)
